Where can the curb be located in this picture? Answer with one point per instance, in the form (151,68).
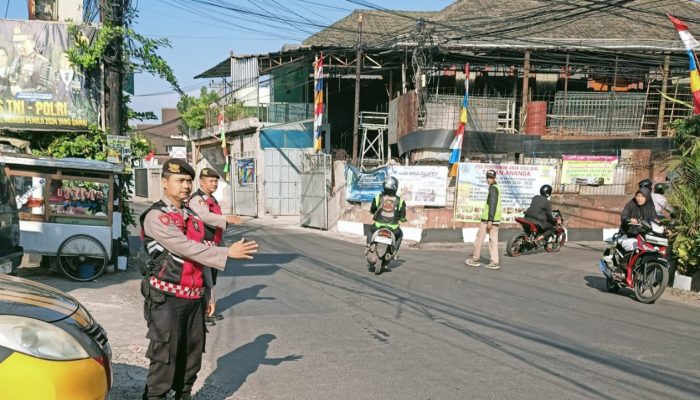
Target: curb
(468,235)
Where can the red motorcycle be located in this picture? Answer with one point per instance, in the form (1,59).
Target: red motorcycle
(645,270)
(526,240)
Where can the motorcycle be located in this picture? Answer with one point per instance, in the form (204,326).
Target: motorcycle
(381,249)
(526,240)
(645,268)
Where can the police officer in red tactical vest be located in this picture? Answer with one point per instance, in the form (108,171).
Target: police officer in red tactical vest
(208,209)
(174,308)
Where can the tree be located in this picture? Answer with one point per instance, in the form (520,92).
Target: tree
(203,111)
(684,166)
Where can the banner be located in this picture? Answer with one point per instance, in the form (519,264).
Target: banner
(245,171)
(118,148)
(588,170)
(39,88)
(518,183)
(421,185)
(363,186)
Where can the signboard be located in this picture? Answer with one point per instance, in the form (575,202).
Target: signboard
(363,186)
(421,185)
(178,152)
(588,170)
(39,88)
(118,148)
(518,184)
(245,171)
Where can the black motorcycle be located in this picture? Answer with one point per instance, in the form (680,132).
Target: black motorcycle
(526,240)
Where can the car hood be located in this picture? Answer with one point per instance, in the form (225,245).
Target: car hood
(35,300)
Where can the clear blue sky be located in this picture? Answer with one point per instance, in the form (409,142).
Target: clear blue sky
(199,43)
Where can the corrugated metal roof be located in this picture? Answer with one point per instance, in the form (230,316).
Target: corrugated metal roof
(533,23)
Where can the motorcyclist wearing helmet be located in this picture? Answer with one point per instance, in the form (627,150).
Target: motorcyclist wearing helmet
(540,211)
(389,210)
(661,206)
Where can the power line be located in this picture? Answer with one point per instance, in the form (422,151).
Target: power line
(7,8)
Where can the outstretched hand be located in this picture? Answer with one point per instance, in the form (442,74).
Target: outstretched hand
(243,250)
(233,219)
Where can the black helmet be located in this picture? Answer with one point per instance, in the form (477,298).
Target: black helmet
(546,190)
(660,188)
(391,185)
(647,183)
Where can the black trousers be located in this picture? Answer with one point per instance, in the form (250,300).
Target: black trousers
(177,333)
(398,233)
(214,273)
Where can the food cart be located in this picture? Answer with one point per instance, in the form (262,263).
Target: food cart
(66,210)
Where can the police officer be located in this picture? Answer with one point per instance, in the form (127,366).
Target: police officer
(208,209)
(174,309)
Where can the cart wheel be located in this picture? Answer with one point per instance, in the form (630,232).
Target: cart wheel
(82,258)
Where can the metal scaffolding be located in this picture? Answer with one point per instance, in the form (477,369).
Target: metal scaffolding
(374,126)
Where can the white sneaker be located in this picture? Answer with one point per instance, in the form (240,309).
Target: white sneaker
(472,262)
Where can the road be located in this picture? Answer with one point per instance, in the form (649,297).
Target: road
(305,320)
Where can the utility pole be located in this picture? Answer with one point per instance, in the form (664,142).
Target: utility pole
(358,68)
(526,91)
(112,12)
(662,100)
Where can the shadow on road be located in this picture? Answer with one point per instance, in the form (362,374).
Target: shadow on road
(129,381)
(234,368)
(241,296)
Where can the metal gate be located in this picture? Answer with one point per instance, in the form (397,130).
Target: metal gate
(315,184)
(245,187)
(282,184)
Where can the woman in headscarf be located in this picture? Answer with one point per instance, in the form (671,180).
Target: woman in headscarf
(638,209)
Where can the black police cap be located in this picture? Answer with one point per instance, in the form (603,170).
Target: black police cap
(208,173)
(178,166)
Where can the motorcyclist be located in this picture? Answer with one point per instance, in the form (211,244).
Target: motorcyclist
(637,210)
(660,203)
(388,211)
(540,211)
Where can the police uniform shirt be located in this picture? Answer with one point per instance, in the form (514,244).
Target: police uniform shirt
(199,206)
(160,227)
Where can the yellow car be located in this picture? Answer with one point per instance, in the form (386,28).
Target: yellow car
(50,347)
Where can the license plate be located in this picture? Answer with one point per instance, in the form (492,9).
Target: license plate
(6,267)
(382,239)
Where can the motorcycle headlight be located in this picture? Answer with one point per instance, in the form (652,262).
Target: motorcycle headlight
(39,339)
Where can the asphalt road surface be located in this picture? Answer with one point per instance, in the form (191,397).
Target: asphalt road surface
(306,320)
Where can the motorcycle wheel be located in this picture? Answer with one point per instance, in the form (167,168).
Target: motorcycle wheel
(514,247)
(380,267)
(611,286)
(557,244)
(650,281)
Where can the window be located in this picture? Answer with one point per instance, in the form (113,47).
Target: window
(76,197)
(30,194)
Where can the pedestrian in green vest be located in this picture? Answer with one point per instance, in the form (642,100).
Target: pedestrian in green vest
(490,218)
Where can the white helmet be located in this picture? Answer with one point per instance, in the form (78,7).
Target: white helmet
(391,185)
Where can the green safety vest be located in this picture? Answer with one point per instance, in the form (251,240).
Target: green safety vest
(385,221)
(485,213)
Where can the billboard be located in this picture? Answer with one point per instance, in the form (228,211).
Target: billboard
(588,170)
(39,88)
(363,186)
(421,185)
(518,183)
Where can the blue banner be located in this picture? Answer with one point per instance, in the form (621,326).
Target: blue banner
(363,186)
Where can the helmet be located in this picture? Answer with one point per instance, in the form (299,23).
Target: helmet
(660,188)
(546,190)
(391,185)
(647,183)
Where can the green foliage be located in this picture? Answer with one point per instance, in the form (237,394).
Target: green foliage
(203,111)
(685,197)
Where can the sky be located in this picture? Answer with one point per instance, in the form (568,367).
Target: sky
(200,42)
